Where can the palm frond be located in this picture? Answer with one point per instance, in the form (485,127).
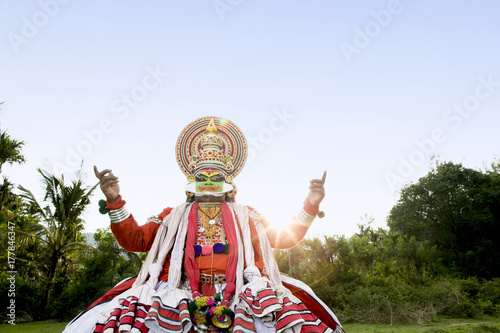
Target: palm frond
(30,199)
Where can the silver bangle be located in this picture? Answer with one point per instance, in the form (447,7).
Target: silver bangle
(119,215)
(305,219)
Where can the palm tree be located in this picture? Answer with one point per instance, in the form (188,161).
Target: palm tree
(60,228)
(11,206)
(10,150)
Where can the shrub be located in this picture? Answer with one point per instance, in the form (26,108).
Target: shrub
(27,296)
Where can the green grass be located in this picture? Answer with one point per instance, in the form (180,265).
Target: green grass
(34,327)
(441,326)
(491,325)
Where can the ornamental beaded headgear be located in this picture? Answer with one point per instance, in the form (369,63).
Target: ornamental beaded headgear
(211,143)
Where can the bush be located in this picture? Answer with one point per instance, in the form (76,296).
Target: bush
(474,298)
(490,294)
(389,305)
(415,304)
(27,296)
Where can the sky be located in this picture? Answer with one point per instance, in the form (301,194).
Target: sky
(368,90)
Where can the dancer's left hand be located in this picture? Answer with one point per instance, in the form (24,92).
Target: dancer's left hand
(316,191)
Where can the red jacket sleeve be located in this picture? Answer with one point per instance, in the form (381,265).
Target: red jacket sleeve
(285,238)
(135,238)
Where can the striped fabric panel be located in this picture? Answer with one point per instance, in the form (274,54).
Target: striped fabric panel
(184,312)
(297,314)
(167,319)
(315,326)
(128,317)
(110,324)
(312,302)
(264,303)
(132,319)
(243,323)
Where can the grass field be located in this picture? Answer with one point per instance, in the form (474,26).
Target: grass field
(441,326)
(33,327)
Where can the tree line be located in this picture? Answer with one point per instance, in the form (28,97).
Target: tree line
(439,254)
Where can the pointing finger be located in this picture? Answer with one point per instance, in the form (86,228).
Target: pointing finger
(103,173)
(96,172)
(319,181)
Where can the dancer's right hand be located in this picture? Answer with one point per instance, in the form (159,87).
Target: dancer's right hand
(109,184)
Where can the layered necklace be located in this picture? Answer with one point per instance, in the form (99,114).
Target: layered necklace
(210,216)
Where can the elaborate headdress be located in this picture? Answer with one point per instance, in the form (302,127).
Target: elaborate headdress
(211,143)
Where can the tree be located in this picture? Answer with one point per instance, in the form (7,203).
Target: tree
(96,273)
(13,218)
(10,150)
(119,263)
(60,228)
(456,209)
(312,260)
(11,205)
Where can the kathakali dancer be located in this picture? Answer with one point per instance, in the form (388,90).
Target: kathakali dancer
(210,265)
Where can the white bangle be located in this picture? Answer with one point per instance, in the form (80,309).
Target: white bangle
(118,215)
(305,219)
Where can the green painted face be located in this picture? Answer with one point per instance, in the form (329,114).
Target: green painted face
(208,181)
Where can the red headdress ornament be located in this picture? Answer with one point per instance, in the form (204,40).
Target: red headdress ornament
(211,143)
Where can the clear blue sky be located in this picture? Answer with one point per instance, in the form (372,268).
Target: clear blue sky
(367,90)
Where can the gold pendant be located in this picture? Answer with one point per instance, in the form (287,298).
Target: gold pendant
(209,214)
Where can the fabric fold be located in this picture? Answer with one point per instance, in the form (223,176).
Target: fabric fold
(261,302)
(127,317)
(169,312)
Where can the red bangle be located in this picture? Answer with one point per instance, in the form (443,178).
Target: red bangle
(118,203)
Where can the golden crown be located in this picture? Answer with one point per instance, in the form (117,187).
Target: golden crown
(212,153)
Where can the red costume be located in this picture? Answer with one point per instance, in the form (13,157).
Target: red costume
(210,264)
